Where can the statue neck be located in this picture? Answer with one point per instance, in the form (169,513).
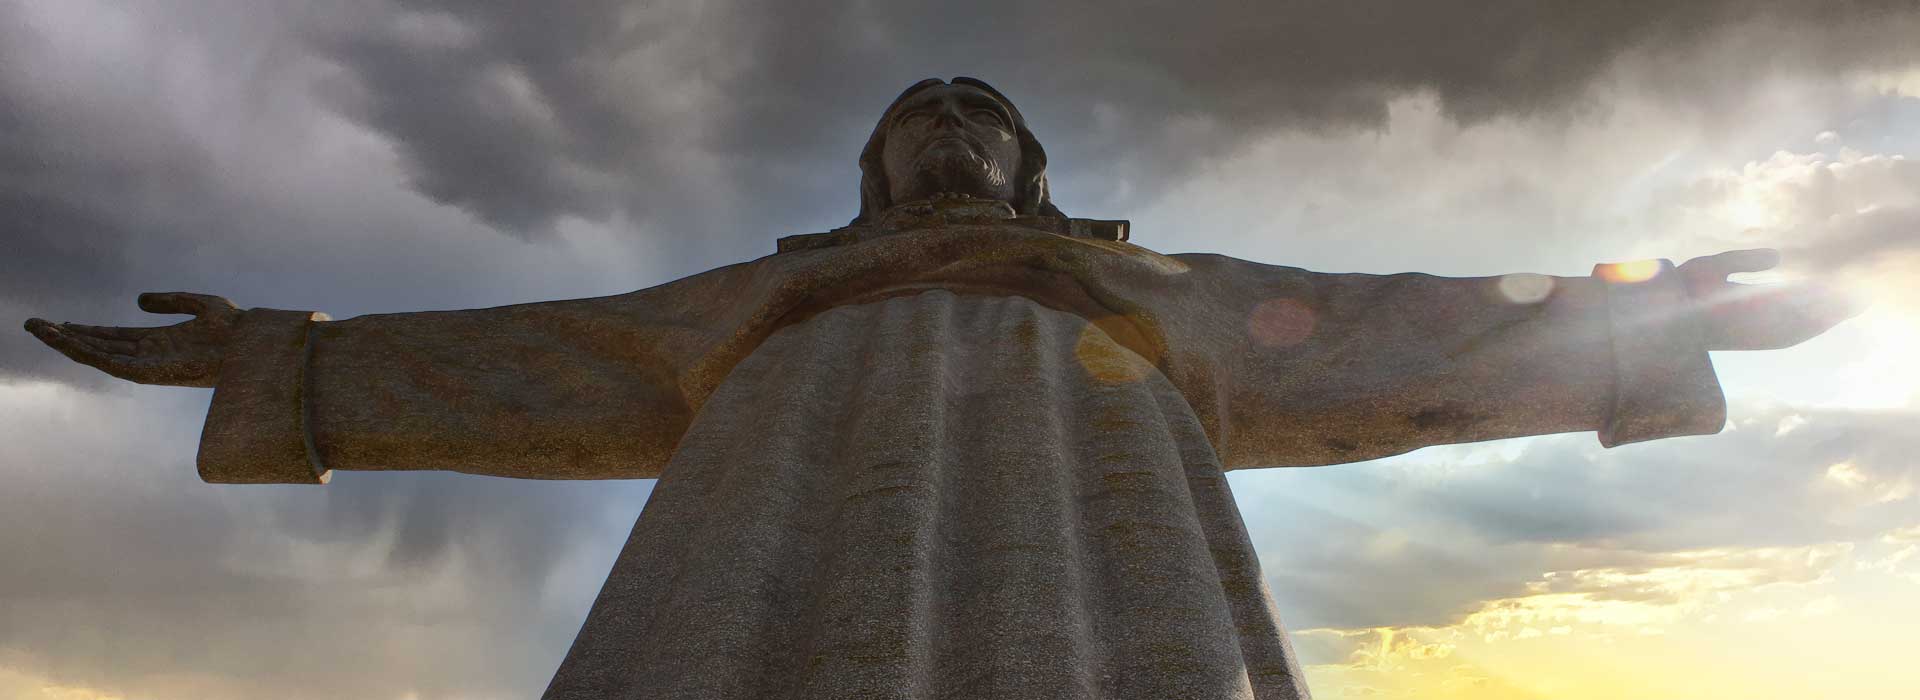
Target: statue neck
(943,210)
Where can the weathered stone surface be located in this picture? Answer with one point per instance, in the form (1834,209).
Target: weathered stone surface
(937,496)
(967,460)
(257,426)
(965,447)
(1284,367)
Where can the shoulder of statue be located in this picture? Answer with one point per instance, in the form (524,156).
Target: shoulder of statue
(953,211)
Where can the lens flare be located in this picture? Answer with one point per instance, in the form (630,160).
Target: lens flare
(1280,323)
(1526,288)
(1636,271)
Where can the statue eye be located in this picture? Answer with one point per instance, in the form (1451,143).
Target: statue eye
(988,116)
(911,118)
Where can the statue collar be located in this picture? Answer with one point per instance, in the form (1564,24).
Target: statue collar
(954,210)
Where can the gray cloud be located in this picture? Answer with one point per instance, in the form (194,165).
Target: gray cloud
(408,155)
(193,149)
(493,111)
(73,175)
(705,133)
(1862,239)
(127,569)
(785,92)
(1479,532)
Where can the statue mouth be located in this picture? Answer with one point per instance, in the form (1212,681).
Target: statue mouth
(950,139)
(946,152)
(951,161)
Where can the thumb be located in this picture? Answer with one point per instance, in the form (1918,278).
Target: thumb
(183,303)
(1735,261)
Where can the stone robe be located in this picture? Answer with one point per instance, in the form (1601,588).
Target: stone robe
(961,461)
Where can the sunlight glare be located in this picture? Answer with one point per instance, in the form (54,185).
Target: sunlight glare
(1629,272)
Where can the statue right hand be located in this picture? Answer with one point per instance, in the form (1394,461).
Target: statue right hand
(183,354)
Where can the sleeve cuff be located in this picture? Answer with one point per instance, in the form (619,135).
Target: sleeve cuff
(256,431)
(1664,384)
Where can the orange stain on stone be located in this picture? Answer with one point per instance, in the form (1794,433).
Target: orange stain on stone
(1105,360)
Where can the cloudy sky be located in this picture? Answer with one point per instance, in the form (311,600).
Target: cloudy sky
(375,156)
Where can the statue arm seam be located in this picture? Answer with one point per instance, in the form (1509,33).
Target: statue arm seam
(306,401)
(257,429)
(1663,379)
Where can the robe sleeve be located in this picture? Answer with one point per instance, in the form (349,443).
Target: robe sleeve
(1321,368)
(580,389)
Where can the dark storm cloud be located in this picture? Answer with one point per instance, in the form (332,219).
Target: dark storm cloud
(92,176)
(198,147)
(73,174)
(714,128)
(788,89)
(155,149)
(468,98)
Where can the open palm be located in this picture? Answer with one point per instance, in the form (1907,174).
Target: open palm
(183,354)
(1739,316)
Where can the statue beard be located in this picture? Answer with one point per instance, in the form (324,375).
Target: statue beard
(958,171)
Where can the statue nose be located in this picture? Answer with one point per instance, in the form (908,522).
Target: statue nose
(949,118)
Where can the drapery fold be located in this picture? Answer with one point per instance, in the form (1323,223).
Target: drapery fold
(937,496)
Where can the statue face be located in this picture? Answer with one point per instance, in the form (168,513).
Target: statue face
(951,138)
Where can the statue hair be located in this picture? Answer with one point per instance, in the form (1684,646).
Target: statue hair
(1030,198)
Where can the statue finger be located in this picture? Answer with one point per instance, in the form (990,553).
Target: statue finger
(1820,307)
(1770,317)
(182,303)
(171,372)
(1750,260)
(108,332)
(75,349)
(102,342)
(1715,294)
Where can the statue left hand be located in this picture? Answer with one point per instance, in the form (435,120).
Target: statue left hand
(1758,316)
(183,354)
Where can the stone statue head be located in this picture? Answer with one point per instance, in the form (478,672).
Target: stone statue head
(962,137)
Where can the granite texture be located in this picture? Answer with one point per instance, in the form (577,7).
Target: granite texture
(968,460)
(965,447)
(260,400)
(1281,366)
(937,496)
(1673,392)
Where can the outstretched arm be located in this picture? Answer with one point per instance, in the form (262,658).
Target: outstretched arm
(588,388)
(1330,368)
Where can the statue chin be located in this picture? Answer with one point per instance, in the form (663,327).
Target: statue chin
(955,172)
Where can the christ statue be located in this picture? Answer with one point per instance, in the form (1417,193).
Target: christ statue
(965,447)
